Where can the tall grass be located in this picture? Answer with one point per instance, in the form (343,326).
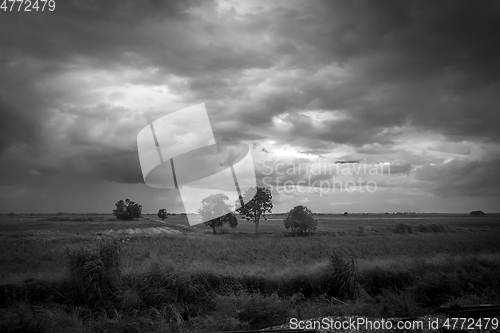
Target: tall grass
(402,228)
(178,291)
(341,278)
(94,276)
(21,317)
(184,285)
(442,227)
(238,254)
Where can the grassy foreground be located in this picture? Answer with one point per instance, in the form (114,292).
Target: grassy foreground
(194,282)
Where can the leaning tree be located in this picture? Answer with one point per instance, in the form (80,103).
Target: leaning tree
(257,202)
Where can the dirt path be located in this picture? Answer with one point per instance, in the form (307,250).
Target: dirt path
(143,231)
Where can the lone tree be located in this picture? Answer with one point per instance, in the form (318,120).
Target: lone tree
(127,210)
(255,206)
(162,213)
(216,212)
(300,221)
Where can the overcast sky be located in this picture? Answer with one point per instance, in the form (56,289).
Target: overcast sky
(411,87)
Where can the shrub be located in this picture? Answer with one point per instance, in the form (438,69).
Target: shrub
(342,278)
(162,214)
(264,311)
(401,228)
(300,221)
(361,230)
(94,276)
(376,280)
(177,293)
(432,228)
(398,304)
(21,317)
(127,210)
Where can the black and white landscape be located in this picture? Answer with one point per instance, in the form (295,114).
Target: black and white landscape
(379,120)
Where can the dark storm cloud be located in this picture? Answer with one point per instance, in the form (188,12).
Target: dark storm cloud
(102,143)
(273,103)
(14,127)
(102,30)
(92,162)
(112,164)
(418,38)
(420,62)
(113,36)
(428,65)
(90,142)
(432,65)
(22,106)
(354,132)
(347,130)
(453,148)
(46,136)
(462,177)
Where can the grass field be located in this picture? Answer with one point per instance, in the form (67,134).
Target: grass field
(192,280)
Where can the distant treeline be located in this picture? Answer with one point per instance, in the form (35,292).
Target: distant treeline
(272,214)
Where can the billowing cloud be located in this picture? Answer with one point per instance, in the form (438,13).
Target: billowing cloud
(462,177)
(410,83)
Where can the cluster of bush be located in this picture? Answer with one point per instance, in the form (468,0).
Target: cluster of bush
(300,221)
(72,219)
(253,205)
(164,298)
(127,210)
(402,228)
(95,283)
